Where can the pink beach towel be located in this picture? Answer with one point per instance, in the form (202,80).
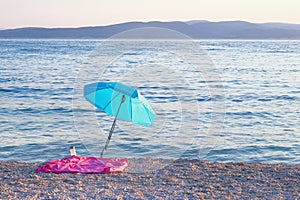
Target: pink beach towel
(85,165)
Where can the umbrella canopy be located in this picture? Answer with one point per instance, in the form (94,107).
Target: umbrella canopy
(122,101)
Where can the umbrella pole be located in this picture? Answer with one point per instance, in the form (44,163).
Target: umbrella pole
(112,127)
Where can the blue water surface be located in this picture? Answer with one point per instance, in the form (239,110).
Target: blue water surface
(254,116)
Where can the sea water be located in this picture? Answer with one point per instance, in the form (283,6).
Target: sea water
(217,100)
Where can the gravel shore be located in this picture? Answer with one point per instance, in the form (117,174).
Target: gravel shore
(180,179)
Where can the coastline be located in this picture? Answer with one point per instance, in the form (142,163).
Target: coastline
(168,179)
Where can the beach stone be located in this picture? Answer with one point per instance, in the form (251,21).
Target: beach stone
(182,179)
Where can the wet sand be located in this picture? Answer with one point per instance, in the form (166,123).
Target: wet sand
(163,179)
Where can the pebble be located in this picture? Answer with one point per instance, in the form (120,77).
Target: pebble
(151,178)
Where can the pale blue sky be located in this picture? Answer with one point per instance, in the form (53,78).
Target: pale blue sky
(77,13)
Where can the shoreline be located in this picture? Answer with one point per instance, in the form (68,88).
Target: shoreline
(162,179)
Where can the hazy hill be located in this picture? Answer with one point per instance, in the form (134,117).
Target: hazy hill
(197,29)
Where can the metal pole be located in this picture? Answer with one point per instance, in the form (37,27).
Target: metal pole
(112,127)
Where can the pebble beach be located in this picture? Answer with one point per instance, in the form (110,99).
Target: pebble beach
(150,178)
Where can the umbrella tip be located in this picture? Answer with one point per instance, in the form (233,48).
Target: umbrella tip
(123,98)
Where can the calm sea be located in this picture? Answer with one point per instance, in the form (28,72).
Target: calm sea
(217,100)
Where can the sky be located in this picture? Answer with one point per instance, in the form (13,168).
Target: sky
(78,13)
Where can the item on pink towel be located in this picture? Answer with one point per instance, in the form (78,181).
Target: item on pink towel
(85,165)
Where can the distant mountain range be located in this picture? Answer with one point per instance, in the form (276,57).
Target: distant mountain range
(196,29)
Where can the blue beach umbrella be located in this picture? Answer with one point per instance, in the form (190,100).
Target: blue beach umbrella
(123,102)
